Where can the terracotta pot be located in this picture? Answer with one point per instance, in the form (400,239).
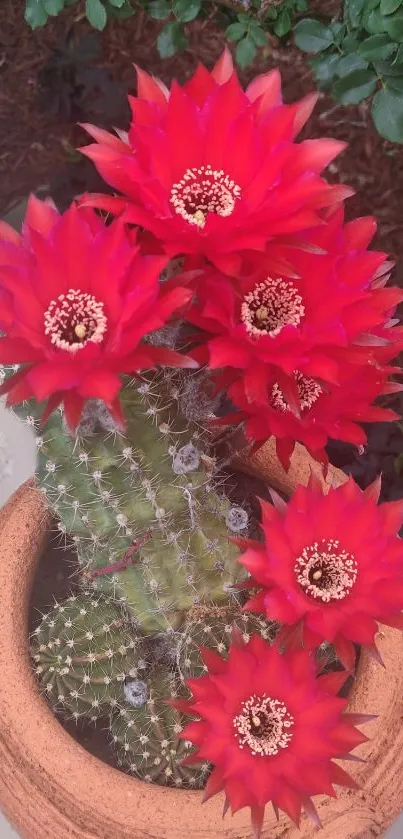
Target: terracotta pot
(51,788)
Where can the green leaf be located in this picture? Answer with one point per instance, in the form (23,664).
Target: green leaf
(96,13)
(235,31)
(355,87)
(272,13)
(117,3)
(159,9)
(389,68)
(53,7)
(374,23)
(325,66)
(171,39)
(348,63)
(312,36)
(387,113)
(394,26)
(338,30)
(399,55)
(350,43)
(389,6)
(353,10)
(245,52)
(121,13)
(394,83)
(186,10)
(283,24)
(377,47)
(35,14)
(258,35)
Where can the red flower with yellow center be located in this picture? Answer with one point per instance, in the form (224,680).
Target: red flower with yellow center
(76,301)
(306,410)
(331,564)
(328,307)
(211,169)
(270,728)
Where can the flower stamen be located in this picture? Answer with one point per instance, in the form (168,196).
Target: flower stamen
(325,571)
(204,190)
(309,392)
(73,319)
(273,304)
(263,725)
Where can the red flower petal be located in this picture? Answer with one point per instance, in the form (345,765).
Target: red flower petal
(70,274)
(237,701)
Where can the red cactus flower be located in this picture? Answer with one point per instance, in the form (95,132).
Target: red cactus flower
(76,300)
(270,728)
(210,169)
(331,564)
(307,410)
(325,309)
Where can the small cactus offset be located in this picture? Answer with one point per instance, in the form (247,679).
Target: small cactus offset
(83,653)
(146,736)
(213,628)
(141,506)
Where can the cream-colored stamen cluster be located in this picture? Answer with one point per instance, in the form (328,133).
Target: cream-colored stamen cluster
(263,725)
(204,190)
(271,305)
(308,392)
(326,571)
(73,319)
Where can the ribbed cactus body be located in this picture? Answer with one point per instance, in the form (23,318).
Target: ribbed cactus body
(150,492)
(83,653)
(147,739)
(213,628)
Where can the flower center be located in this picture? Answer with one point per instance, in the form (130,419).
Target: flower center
(73,319)
(272,304)
(204,190)
(326,571)
(263,725)
(308,392)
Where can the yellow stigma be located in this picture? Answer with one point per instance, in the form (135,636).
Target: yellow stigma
(317,574)
(199,217)
(262,313)
(80,331)
(256,721)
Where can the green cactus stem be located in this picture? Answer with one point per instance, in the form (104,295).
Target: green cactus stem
(142,507)
(84,652)
(212,627)
(146,736)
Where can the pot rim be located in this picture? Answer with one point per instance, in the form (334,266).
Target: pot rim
(51,786)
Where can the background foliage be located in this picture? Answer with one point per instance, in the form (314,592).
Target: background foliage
(358,56)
